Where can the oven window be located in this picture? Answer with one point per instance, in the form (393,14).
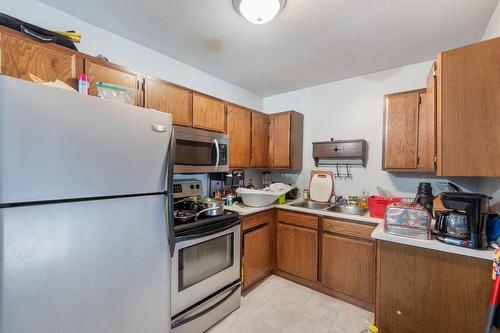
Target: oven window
(203,260)
(193,153)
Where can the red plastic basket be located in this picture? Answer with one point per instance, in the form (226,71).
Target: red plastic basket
(377,205)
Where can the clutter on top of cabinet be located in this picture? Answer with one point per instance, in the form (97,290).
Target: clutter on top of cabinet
(36,32)
(56,84)
(113,92)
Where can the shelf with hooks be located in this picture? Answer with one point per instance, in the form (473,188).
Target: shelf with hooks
(340,154)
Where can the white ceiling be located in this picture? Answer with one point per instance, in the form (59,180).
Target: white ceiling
(309,43)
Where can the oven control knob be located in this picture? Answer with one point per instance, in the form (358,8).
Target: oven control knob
(197,186)
(191,186)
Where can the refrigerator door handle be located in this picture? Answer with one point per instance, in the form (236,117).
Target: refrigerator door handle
(169,200)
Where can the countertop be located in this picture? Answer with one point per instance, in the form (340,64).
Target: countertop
(245,210)
(378,233)
(432,244)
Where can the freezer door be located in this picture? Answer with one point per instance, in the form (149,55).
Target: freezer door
(100,267)
(55,144)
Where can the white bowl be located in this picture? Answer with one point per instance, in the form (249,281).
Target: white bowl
(257,198)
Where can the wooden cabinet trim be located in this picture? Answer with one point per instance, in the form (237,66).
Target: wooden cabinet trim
(301,220)
(347,228)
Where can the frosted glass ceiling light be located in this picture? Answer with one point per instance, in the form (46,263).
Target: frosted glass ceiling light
(259,11)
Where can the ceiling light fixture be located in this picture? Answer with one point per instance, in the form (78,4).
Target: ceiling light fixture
(259,11)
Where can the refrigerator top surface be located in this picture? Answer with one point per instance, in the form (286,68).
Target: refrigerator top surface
(57,145)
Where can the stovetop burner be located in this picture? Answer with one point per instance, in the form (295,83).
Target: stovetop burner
(203,221)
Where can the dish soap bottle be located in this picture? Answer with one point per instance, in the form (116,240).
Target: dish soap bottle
(363,201)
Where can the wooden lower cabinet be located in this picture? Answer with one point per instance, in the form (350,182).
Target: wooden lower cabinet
(348,266)
(257,255)
(421,290)
(297,251)
(257,247)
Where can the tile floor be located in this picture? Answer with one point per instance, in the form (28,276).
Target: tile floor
(278,305)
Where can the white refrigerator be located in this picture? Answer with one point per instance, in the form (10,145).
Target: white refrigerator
(85,234)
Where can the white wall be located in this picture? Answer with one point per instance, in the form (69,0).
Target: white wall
(353,109)
(493,28)
(127,53)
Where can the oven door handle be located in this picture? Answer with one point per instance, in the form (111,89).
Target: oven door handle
(217,149)
(190,316)
(207,233)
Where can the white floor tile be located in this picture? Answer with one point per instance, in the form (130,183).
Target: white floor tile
(278,305)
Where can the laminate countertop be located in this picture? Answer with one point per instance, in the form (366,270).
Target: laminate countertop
(432,244)
(378,233)
(245,210)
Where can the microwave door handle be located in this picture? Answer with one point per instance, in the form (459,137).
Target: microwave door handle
(169,201)
(216,143)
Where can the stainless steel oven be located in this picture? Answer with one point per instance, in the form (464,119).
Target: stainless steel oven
(200,151)
(205,275)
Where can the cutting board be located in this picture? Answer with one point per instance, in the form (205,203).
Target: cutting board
(321,186)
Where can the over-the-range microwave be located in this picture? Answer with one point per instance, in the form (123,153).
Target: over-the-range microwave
(200,151)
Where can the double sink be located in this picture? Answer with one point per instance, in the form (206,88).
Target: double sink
(331,207)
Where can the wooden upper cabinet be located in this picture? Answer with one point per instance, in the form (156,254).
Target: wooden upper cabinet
(169,98)
(468,116)
(286,140)
(21,57)
(208,113)
(401,130)
(101,71)
(239,123)
(409,134)
(260,140)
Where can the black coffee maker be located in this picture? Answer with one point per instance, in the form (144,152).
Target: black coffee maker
(465,224)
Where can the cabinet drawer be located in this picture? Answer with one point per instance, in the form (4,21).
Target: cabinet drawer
(301,220)
(257,219)
(348,228)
